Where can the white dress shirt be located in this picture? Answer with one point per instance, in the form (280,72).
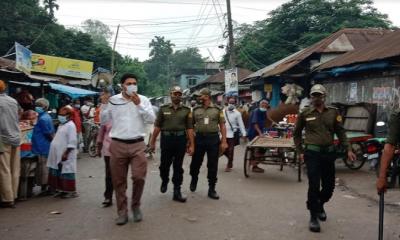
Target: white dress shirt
(129,120)
(235,118)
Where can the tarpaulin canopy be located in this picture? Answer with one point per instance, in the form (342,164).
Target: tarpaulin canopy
(73,92)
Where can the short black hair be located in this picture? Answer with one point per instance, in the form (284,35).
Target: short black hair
(126,76)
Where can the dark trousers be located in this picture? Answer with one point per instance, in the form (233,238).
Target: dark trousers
(109,187)
(230,151)
(321,178)
(173,150)
(203,145)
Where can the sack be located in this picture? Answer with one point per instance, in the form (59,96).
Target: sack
(236,137)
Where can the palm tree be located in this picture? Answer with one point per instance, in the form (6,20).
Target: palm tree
(50,6)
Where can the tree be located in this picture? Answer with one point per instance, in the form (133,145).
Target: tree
(99,31)
(50,6)
(298,24)
(188,58)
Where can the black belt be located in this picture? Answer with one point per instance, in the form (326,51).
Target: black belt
(129,141)
(174,133)
(318,148)
(207,134)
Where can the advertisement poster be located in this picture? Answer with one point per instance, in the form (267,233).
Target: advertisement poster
(23,58)
(231,82)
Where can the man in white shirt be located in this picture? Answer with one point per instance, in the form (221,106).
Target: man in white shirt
(233,123)
(129,113)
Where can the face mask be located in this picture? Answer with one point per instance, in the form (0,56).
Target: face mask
(317,101)
(131,89)
(263,109)
(176,100)
(62,119)
(231,107)
(39,109)
(77,106)
(90,104)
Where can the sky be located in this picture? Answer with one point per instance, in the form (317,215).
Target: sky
(187,23)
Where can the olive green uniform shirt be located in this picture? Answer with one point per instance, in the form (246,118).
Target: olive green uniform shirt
(207,120)
(394,128)
(319,128)
(170,119)
(1,147)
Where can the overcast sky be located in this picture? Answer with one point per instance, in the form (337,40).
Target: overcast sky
(187,23)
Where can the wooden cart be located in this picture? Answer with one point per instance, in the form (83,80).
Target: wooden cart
(279,151)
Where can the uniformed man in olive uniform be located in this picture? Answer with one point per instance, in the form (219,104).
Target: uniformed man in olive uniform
(320,123)
(392,141)
(208,122)
(174,121)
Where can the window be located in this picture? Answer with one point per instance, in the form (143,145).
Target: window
(192,81)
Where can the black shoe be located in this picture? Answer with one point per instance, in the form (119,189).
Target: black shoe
(314,224)
(7,205)
(213,194)
(164,187)
(193,184)
(322,214)
(178,196)
(107,203)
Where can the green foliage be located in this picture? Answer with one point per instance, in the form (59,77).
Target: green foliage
(99,31)
(298,24)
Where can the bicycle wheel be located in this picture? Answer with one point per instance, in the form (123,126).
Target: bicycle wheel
(360,158)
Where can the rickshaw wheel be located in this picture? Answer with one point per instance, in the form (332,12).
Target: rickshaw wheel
(360,159)
(246,162)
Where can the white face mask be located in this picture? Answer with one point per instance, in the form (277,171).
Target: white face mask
(131,89)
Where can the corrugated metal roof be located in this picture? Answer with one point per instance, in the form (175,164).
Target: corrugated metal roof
(386,47)
(341,41)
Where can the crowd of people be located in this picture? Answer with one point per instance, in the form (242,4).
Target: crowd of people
(198,129)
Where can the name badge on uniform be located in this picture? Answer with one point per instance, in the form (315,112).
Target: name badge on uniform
(206,120)
(310,119)
(167,113)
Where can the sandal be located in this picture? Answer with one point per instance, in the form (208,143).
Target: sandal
(257,169)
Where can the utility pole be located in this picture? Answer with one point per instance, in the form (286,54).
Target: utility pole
(113,52)
(232,57)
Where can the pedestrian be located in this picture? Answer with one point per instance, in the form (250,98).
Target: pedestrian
(103,146)
(392,141)
(175,123)
(76,117)
(320,123)
(43,133)
(129,112)
(257,121)
(234,129)
(10,162)
(62,157)
(208,122)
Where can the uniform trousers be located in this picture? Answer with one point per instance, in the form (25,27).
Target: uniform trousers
(321,178)
(10,169)
(206,144)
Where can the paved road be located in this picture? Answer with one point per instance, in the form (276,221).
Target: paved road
(265,206)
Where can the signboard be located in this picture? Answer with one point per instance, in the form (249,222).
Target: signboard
(23,58)
(62,66)
(231,81)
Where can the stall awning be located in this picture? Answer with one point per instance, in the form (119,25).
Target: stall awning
(73,92)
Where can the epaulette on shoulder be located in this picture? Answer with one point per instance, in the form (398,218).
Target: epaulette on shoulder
(332,107)
(183,106)
(306,110)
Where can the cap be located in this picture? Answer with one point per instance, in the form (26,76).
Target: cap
(176,89)
(205,91)
(318,88)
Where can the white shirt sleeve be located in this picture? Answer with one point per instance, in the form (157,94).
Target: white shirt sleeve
(146,110)
(241,124)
